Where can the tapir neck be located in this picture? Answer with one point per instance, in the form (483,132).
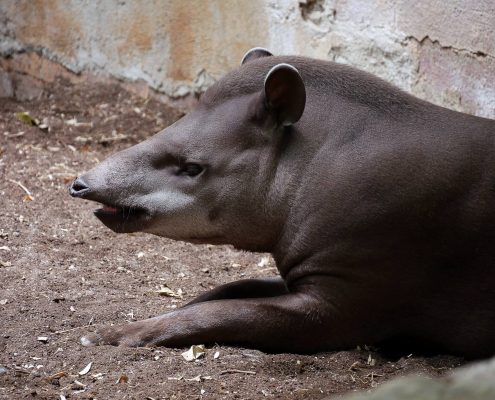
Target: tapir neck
(290,163)
(308,166)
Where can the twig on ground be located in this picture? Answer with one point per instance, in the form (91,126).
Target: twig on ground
(72,329)
(236,371)
(13,135)
(26,190)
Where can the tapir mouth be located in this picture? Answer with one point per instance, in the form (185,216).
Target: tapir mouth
(122,219)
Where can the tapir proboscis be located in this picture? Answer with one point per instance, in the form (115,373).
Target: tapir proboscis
(378,208)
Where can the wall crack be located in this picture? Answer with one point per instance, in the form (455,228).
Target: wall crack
(457,50)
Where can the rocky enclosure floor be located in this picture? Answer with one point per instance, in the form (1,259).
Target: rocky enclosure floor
(64,274)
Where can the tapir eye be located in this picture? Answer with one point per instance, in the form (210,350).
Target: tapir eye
(190,169)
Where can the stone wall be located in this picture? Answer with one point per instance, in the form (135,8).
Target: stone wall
(442,51)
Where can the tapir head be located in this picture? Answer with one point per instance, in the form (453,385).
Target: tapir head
(213,176)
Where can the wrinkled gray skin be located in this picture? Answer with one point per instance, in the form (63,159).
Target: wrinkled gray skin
(379,210)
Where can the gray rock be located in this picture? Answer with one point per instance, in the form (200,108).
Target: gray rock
(474,382)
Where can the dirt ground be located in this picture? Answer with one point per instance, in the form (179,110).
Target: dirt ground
(63,274)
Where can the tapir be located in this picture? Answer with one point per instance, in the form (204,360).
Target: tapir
(378,209)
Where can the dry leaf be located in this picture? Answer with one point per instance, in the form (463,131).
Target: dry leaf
(263,262)
(173,378)
(83,139)
(76,123)
(76,385)
(166,291)
(58,375)
(86,369)
(371,361)
(355,365)
(194,352)
(123,379)
(27,119)
(44,127)
(68,179)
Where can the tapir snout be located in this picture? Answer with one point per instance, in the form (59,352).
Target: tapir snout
(78,188)
(118,185)
(119,217)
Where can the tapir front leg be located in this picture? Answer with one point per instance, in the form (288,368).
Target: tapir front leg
(295,322)
(244,289)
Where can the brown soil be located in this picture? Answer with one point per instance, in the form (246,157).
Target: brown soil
(63,274)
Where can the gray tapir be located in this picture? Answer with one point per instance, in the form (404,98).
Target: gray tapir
(378,208)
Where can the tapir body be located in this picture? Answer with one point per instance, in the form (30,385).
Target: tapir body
(378,208)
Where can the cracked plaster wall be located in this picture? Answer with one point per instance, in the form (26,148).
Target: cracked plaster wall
(441,51)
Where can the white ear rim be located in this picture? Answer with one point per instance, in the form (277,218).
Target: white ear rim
(277,67)
(263,49)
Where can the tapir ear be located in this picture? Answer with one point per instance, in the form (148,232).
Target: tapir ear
(285,94)
(254,53)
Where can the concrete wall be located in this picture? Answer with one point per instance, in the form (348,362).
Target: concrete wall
(443,51)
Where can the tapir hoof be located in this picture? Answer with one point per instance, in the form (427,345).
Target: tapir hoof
(135,334)
(90,340)
(97,339)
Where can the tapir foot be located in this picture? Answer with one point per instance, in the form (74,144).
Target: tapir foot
(135,334)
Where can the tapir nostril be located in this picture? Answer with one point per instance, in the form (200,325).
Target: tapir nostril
(78,188)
